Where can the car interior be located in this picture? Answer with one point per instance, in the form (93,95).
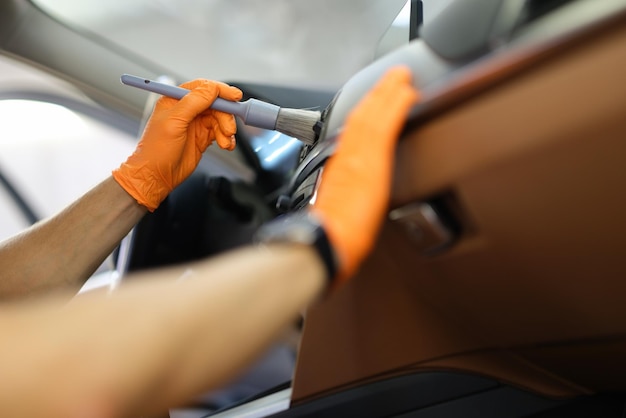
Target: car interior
(497,287)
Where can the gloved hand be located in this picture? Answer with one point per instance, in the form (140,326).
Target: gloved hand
(177,134)
(354,191)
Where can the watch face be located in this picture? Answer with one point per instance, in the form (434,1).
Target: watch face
(300,228)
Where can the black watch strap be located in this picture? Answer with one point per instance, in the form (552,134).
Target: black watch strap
(300,227)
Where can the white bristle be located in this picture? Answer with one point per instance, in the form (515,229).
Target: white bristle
(298,123)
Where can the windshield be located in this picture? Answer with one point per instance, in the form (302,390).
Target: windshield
(301,43)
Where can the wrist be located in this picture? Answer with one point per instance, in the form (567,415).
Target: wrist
(303,228)
(125,196)
(127,179)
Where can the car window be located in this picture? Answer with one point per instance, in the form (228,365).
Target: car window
(52,154)
(50,151)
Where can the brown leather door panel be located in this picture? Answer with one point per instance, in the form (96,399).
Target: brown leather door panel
(533,292)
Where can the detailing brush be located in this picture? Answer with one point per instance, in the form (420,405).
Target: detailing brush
(297,123)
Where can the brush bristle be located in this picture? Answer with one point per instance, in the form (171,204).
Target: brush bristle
(298,123)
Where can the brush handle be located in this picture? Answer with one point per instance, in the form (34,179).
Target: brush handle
(252,112)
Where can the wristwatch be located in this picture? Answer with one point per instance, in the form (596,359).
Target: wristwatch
(300,227)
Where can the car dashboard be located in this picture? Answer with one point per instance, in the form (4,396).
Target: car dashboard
(483,269)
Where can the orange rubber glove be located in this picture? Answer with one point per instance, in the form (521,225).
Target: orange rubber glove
(354,191)
(177,134)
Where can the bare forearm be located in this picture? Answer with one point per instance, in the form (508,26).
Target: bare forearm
(241,303)
(160,342)
(65,250)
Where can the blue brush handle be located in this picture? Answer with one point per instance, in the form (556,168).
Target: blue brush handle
(235,108)
(253,112)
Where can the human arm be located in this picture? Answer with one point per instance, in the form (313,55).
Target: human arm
(64,250)
(61,252)
(157,342)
